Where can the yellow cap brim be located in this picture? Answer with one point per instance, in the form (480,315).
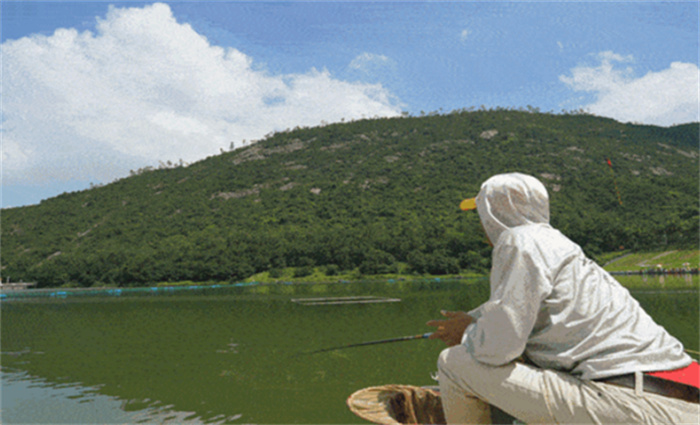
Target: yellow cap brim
(468,204)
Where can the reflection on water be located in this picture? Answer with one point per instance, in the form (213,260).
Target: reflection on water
(661,278)
(32,400)
(228,355)
(674,281)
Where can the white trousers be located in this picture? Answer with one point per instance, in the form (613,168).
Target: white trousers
(541,396)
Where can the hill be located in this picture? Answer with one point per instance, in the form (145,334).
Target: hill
(376,195)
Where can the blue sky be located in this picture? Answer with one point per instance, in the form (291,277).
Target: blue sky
(92,90)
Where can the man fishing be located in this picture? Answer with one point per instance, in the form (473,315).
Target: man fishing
(559,340)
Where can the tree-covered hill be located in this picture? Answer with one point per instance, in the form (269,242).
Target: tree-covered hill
(368,195)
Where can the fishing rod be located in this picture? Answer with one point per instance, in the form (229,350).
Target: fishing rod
(361,344)
(694,353)
(402,338)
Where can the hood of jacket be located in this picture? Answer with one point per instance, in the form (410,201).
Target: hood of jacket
(510,200)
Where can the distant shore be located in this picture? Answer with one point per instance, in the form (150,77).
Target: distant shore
(676,262)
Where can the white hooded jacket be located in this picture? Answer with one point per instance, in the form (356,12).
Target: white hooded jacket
(551,303)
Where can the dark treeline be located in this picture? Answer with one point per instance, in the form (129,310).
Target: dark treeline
(375,196)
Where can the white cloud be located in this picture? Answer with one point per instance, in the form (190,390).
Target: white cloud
(368,61)
(145,88)
(464,35)
(666,97)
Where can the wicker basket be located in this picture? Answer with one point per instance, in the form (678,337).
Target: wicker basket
(397,404)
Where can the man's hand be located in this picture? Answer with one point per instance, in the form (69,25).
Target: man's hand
(452,329)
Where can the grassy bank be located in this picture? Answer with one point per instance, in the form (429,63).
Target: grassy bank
(320,275)
(670,259)
(613,262)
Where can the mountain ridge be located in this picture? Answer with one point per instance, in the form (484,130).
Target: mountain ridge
(378,195)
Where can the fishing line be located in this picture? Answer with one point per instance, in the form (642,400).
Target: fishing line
(693,352)
(361,344)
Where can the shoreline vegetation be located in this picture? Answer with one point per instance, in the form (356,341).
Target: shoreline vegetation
(375,198)
(672,269)
(621,262)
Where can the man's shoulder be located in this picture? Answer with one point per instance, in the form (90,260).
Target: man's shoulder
(539,236)
(530,231)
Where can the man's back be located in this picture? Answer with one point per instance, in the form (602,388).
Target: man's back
(588,324)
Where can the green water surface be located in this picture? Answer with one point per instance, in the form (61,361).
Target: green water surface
(231,355)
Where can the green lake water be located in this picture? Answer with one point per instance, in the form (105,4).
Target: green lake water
(231,354)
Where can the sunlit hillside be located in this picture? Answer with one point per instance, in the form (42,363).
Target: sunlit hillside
(376,196)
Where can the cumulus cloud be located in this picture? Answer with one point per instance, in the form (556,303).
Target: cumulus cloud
(145,88)
(665,97)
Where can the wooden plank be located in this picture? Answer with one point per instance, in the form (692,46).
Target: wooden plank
(360,299)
